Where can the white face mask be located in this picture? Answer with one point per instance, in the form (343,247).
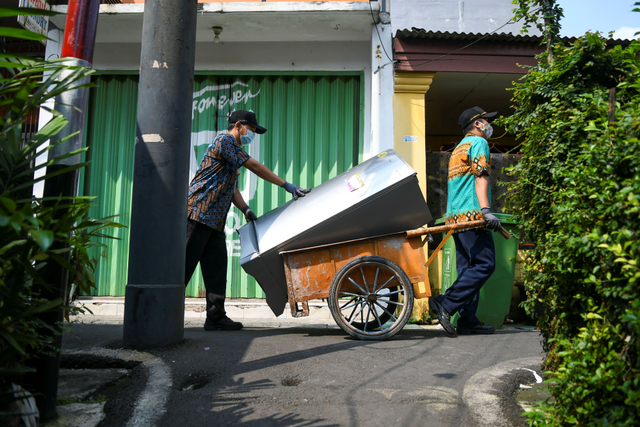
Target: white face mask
(487,129)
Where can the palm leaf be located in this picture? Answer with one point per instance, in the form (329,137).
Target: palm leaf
(7,12)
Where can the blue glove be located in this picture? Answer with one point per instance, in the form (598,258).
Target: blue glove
(295,190)
(493,223)
(248,214)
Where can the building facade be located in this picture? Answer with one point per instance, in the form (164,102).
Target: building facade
(305,68)
(327,78)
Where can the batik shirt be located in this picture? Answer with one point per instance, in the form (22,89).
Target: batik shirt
(470,158)
(211,190)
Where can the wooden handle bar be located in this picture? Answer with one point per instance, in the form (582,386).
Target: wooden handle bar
(445,228)
(504,232)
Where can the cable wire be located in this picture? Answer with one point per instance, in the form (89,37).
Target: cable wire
(373,19)
(510,21)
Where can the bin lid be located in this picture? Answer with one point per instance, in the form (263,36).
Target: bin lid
(504,218)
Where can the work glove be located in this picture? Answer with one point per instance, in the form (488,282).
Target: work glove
(295,190)
(493,223)
(248,214)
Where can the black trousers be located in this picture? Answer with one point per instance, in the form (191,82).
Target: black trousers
(475,263)
(208,247)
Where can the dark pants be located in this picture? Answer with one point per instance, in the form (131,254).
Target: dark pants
(208,246)
(475,262)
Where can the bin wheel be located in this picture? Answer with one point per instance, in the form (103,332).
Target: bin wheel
(371,298)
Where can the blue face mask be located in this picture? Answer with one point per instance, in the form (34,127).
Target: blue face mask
(248,138)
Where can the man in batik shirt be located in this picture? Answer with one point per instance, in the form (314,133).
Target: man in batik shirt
(469,200)
(212,190)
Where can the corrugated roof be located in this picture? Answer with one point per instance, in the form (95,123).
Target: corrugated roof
(421,33)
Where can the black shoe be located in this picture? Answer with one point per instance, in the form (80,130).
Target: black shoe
(443,316)
(480,328)
(224,323)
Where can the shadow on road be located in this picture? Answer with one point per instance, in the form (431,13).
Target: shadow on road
(249,377)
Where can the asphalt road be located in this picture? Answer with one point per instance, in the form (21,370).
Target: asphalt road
(316,377)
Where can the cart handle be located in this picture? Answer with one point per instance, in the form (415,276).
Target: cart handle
(445,228)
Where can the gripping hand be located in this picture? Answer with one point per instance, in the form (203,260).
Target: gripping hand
(248,214)
(295,190)
(493,223)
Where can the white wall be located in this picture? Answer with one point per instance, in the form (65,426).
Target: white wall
(52,51)
(381,135)
(461,16)
(272,56)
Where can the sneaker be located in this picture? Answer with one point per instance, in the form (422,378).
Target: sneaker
(224,323)
(443,316)
(479,328)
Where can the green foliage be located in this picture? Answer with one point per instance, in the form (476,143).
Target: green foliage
(35,232)
(636,9)
(577,196)
(86,235)
(543,14)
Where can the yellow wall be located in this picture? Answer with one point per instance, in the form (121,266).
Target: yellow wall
(409,120)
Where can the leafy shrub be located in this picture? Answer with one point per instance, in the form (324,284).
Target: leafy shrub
(34,232)
(577,196)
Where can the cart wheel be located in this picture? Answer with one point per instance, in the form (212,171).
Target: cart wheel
(371,298)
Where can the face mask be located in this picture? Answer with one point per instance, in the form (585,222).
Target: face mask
(488,130)
(248,138)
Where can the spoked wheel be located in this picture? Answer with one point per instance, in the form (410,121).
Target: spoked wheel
(371,298)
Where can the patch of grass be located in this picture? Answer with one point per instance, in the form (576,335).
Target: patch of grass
(63,400)
(421,315)
(96,399)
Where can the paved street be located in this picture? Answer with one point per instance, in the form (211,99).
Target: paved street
(316,376)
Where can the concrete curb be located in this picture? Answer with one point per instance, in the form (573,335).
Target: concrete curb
(481,392)
(253,313)
(152,402)
(195,309)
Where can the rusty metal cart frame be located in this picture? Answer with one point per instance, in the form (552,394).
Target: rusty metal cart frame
(370,283)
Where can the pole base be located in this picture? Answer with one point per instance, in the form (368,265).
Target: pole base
(153,316)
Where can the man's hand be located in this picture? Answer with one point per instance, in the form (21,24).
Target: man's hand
(295,190)
(493,223)
(248,214)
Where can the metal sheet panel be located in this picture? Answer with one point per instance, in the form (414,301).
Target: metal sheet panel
(314,133)
(379,196)
(110,136)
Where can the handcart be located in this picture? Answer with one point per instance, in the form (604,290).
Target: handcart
(370,283)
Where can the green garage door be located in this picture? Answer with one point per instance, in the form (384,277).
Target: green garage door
(314,133)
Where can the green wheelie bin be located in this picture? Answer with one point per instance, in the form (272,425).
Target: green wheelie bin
(495,295)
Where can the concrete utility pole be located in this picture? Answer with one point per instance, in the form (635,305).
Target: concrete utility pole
(78,45)
(154,298)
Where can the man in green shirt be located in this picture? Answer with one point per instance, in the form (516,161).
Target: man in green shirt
(469,200)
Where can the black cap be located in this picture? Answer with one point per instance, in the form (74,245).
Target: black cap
(468,116)
(248,117)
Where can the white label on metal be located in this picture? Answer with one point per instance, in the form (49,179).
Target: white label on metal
(152,137)
(355,182)
(411,138)
(157,64)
